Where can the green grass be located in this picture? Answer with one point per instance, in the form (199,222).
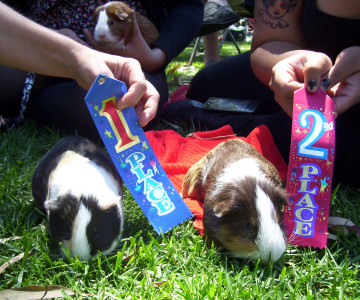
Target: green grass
(177,265)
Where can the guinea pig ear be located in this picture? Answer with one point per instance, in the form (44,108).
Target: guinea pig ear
(121,15)
(282,198)
(51,204)
(222,208)
(193,182)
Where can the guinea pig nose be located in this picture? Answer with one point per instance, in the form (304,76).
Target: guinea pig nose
(102,36)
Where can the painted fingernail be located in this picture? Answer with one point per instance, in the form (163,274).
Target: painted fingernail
(312,85)
(325,83)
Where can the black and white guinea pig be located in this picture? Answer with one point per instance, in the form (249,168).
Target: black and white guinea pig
(243,197)
(79,189)
(115,24)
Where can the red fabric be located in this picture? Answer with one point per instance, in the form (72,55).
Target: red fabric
(177,154)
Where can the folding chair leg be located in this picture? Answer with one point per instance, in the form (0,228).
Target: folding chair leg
(228,32)
(195,49)
(234,41)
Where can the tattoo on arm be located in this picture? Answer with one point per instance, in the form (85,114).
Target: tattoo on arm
(273,12)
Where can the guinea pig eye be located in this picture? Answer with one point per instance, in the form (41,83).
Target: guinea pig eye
(111,22)
(249,227)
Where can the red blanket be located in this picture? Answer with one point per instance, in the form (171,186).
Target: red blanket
(177,154)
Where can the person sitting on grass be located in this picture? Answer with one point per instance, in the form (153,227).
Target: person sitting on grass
(50,53)
(178,21)
(296,43)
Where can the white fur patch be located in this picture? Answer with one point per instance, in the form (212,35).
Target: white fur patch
(237,171)
(79,244)
(77,175)
(270,239)
(242,168)
(102,29)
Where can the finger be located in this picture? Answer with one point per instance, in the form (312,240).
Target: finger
(149,111)
(284,83)
(316,66)
(347,63)
(342,104)
(133,96)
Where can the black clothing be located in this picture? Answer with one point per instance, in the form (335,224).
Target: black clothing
(233,78)
(326,33)
(178,22)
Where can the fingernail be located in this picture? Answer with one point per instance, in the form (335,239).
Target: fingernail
(325,83)
(312,85)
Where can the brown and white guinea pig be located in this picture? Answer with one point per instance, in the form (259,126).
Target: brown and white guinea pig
(243,197)
(79,189)
(114,25)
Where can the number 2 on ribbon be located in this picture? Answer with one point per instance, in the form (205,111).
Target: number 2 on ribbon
(306,145)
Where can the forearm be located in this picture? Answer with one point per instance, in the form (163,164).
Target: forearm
(28,46)
(266,56)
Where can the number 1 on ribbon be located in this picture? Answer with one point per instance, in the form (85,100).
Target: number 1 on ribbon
(118,125)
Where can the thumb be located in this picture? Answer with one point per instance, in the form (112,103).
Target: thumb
(345,65)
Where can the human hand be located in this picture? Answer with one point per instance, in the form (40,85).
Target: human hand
(141,94)
(291,73)
(71,34)
(151,59)
(344,79)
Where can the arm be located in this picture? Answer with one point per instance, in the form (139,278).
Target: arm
(28,46)
(181,26)
(177,31)
(279,57)
(274,38)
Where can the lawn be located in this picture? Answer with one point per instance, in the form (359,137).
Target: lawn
(176,265)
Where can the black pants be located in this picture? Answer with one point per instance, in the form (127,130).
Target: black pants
(233,78)
(63,106)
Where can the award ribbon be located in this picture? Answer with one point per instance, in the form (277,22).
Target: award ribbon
(133,157)
(310,169)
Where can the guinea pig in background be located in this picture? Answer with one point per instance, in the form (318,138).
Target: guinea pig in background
(114,25)
(243,197)
(79,189)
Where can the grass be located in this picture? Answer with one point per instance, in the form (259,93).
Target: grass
(176,265)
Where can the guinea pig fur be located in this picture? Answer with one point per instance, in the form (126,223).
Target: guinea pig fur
(243,197)
(80,191)
(114,25)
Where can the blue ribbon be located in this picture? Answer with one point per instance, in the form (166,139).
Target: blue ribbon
(133,157)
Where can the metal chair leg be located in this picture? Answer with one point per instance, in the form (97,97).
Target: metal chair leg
(193,53)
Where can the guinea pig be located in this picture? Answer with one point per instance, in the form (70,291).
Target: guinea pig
(115,24)
(78,188)
(243,197)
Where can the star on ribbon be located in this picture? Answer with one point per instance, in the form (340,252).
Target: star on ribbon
(145,145)
(324,184)
(108,133)
(153,164)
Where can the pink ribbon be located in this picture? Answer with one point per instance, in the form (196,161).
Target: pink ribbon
(310,169)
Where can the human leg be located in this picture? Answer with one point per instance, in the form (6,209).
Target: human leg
(15,88)
(63,106)
(211,46)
